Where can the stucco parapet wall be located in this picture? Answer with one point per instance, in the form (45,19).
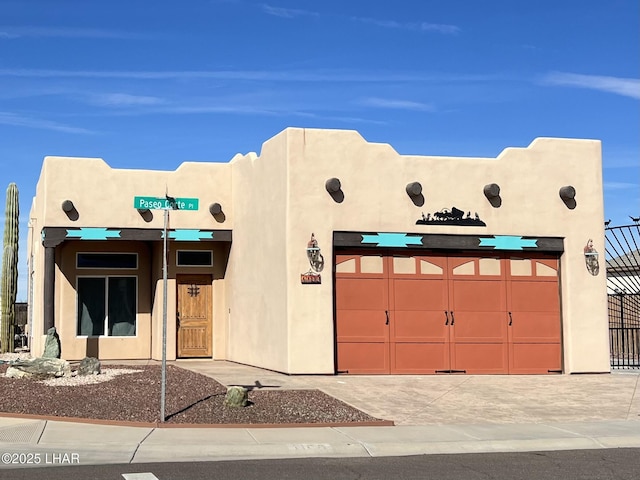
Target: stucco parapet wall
(103,196)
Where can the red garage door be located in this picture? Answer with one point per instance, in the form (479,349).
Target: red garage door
(419,314)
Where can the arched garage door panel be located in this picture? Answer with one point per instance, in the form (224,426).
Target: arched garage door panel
(362,305)
(478,310)
(534,315)
(419,335)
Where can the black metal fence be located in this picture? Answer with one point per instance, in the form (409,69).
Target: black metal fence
(623,286)
(624,330)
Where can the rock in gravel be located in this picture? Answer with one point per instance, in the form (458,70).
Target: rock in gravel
(39,368)
(52,344)
(89,366)
(236,397)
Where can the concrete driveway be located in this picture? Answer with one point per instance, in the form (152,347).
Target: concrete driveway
(456,399)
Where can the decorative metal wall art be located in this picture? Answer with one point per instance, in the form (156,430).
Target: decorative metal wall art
(454,216)
(316,261)
(591,258)
(193,290)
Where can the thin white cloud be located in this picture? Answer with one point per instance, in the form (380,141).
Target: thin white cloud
(418,26)
(421,26)
(628,87)
(7,118)
(124,100)
(47,32)
(256,75)
(396,104)
(619,185)
(440,28)
(286,12)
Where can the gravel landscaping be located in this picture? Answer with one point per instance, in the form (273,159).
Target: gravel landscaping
(133,394)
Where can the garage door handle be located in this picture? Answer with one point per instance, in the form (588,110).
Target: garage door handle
(510,319)
(446,314)
(386,312)
(453,319)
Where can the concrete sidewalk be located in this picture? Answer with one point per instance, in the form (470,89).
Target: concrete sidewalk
(433,414)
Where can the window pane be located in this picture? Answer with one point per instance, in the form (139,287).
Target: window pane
(200,258)
(122,306)
(107,260)
(91,306)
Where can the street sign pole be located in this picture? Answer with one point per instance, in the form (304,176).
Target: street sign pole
(164,319)
(167,203)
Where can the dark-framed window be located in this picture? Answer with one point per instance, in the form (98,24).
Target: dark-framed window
(113,260)
(194,258)
(107,306)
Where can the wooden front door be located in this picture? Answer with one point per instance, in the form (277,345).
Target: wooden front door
(194,316)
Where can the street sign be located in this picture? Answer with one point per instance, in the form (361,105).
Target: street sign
(160,203)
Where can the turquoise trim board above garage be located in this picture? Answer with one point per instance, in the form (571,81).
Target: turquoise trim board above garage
(448,242)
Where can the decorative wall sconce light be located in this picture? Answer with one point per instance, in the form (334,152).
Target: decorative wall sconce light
(568,196)
(591,258)
(492,192)
(334,187)
(67,206)
(316,261)
(215,209)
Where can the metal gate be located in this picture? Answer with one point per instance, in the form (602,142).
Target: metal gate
(623,289)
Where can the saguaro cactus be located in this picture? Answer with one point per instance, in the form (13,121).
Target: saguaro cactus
(9,281)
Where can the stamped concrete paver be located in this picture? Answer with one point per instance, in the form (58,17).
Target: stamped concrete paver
(457,399)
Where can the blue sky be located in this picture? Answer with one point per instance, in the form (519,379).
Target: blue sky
(150,84)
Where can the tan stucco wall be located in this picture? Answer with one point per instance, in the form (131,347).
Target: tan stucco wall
(103,197)
(263,315)
(257,272)
(374,178)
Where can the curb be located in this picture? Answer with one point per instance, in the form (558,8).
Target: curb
(125,423)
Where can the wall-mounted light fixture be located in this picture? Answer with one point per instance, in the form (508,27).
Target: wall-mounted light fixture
(591,258)
(215,209)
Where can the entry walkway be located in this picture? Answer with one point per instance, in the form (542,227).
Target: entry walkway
(433,414)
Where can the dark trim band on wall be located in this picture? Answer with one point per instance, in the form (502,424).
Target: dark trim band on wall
(448,242)
(49,287)
(54,236)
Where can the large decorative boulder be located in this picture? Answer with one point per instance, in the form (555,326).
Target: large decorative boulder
(39,368)
(89,366)
(52,344)
(236,397)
